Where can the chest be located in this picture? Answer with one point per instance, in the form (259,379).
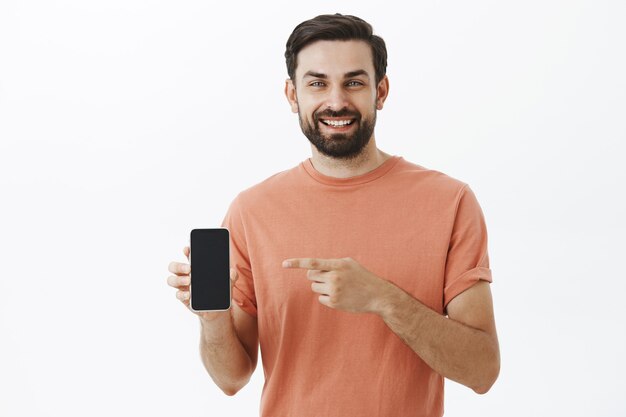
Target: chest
(405,243)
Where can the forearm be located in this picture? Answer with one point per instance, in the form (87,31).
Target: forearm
(458,352)
(223,355)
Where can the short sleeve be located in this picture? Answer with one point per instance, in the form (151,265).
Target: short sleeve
(243,290)
(467,261)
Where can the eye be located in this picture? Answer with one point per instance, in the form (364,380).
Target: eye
(316,84)
(355,83)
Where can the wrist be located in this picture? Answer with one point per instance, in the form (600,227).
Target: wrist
(215,327)
(385,299)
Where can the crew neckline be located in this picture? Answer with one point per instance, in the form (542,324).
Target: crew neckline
(377,172)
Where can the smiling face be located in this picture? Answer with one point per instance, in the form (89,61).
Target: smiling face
(336,96)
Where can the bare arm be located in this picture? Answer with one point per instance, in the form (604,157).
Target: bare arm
(229,340)
(223,353)
(463,347)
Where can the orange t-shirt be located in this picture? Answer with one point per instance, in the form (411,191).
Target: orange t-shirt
(415,227)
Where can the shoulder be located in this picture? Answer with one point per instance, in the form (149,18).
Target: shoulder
(432,183)
(267,189)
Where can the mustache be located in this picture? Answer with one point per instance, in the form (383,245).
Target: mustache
(340,113)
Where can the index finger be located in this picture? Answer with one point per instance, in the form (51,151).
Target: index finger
(179,268)
(311,263)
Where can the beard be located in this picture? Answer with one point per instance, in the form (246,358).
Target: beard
(339,145)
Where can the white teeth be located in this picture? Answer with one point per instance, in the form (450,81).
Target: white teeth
(337,122)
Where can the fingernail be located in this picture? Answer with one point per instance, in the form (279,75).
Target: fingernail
(286,264)
(185,281)
(185,295)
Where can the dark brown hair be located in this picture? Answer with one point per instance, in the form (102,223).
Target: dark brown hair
(335,27)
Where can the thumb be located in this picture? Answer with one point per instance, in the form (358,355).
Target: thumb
(234,275)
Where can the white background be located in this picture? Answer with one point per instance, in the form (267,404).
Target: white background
(126,123)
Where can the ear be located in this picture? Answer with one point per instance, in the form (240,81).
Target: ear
(381,92)
(290,93)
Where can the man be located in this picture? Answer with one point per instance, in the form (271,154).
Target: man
(384,289)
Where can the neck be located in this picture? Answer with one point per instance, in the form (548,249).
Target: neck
(369,159)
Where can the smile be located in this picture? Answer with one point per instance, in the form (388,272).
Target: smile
(337,123)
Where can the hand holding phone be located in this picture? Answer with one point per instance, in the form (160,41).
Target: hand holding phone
(182,279)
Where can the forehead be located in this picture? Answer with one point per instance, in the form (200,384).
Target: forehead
(335,58)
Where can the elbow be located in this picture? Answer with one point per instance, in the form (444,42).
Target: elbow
(489,377)
(483,389)
(230,391)
(228,388)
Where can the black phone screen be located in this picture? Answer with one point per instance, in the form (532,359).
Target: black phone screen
(210,269)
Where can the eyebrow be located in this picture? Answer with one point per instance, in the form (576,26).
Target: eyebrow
(346,75)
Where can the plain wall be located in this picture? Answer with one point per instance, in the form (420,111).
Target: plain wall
(125,124)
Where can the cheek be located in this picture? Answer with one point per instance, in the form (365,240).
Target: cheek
(310,103)
(367,103)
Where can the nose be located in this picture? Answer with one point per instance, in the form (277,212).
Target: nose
(337,98)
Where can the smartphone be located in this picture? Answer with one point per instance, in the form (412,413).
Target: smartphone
(210,269)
